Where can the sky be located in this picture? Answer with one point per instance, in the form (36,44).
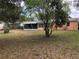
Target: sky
(74,11)
(22,3)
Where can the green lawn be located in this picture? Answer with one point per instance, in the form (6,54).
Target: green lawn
(34,45)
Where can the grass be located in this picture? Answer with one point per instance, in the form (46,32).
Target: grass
(34,45)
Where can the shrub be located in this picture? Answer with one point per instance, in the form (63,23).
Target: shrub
(6,28)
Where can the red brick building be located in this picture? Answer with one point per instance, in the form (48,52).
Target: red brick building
(71,25)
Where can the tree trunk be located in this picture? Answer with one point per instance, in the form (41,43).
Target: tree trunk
(47,31)
(56,27)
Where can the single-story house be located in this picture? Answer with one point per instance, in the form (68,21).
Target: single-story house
(31,25)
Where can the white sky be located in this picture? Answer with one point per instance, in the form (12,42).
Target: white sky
(74,11)
(22,4)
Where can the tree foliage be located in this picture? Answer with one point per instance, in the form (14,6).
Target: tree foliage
(61,15)
(9,11)
(24,18)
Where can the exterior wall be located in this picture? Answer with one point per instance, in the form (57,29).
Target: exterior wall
(40,27)
(73,25)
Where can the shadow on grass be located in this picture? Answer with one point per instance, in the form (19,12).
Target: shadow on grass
(33,40)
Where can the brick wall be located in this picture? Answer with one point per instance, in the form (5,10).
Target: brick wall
(73,25)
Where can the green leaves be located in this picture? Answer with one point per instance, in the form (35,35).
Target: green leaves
(24,18)
(33,3)
(9,11)
(52,9)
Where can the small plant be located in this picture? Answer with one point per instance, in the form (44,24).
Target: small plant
(6,28)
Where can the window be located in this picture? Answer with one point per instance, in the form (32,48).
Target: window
(30,26)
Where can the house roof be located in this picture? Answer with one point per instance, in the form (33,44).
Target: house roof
(73,19)
(29,22)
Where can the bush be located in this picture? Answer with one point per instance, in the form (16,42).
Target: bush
(6,28)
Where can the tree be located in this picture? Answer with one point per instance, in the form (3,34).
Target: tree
(9,11)
(24,18)
(49,11)
(61,15)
